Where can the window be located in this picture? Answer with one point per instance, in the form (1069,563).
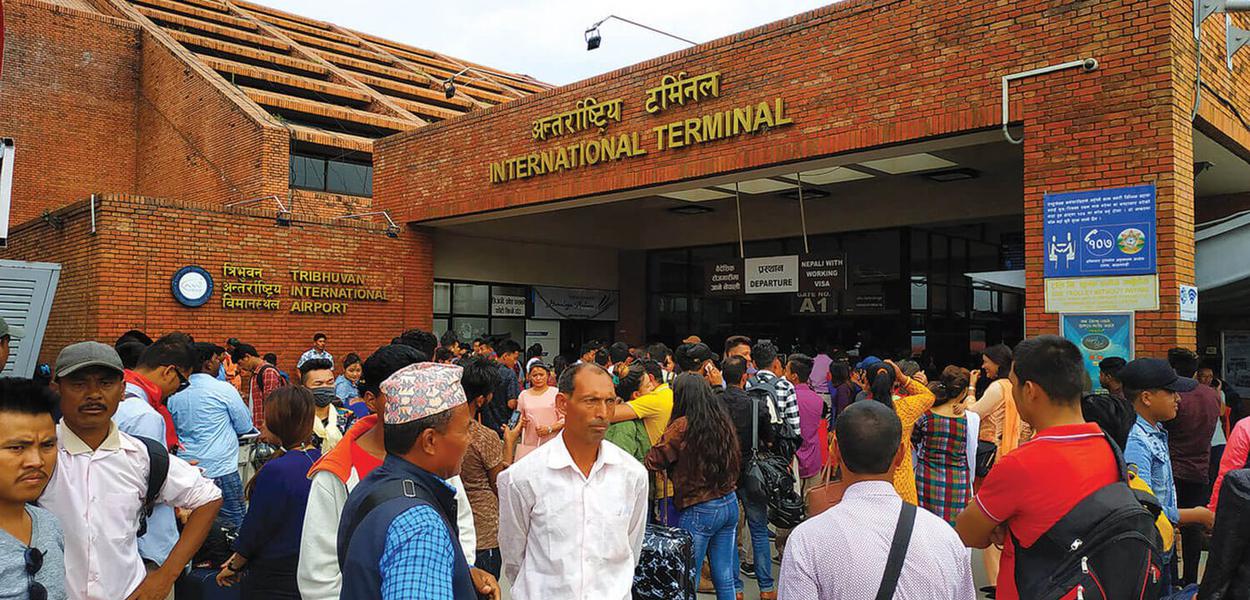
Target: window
(331,175)
(470,299)
(349,178)
(308,172)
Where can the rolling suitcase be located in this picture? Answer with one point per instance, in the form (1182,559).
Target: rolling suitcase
(201,584)
(665,570)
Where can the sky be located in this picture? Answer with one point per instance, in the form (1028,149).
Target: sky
(544,38)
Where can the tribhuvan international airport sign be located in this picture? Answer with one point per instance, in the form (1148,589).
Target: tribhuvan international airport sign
(591,114)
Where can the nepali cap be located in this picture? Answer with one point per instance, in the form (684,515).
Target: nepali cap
(421,390)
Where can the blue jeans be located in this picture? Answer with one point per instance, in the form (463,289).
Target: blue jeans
(757,524)
(714,526)
(232,509)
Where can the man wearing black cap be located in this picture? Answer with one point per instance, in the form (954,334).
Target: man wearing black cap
(1154,388)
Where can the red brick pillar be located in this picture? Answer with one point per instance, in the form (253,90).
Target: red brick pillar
(1119,126)
(419,278)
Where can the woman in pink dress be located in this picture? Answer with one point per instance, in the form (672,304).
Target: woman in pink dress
(538,406)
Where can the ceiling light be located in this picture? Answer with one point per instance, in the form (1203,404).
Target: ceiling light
(831,175)
(908,164)
(760,186)
(690,209)
(697,195)
(952,175)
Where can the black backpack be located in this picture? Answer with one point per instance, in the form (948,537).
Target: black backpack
(158,471)
(785,443)
(1105,548)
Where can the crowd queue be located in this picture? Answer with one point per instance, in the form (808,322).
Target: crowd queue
(435,468)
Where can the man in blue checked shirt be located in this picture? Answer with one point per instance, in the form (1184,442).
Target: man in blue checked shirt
(397,537)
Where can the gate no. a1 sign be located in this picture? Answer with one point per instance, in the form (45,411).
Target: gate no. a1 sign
(1100,232)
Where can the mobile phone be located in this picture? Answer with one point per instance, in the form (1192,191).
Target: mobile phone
(516,416)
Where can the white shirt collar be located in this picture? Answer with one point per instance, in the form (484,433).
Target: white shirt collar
(559,457)
(74,444)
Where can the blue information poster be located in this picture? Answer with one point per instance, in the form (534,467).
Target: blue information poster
(1100,232)
(1099,336)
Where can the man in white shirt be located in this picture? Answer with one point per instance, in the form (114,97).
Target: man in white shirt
(100,485)
(573,512)
(843,553)
(317,351)
(161,372)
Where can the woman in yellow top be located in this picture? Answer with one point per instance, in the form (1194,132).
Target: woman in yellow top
(911,402)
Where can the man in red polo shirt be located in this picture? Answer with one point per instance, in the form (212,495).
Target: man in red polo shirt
(1031,488)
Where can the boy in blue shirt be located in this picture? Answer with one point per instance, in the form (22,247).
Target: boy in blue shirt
(1153,387)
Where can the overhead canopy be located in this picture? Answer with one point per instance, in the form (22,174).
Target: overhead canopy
(1013,280)
(1222,271)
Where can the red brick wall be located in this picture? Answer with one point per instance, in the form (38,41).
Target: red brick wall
(67,97)
(141,243)
(195,143)
(866,73)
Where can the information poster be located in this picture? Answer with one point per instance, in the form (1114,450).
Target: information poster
(1099,336)
(1102,294)
(1100,232)
(1236,350)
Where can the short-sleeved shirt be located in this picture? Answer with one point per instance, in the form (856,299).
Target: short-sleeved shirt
(485,453)
(1034,486)
(45,536)
(655,409)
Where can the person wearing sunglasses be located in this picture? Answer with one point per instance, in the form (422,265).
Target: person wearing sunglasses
(31,544)
(103,481)
(163,370)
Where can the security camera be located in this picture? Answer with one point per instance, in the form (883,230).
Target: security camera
(1089,64)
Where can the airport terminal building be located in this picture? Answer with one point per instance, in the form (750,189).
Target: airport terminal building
(935,176)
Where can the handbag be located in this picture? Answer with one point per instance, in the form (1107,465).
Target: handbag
(987,453)
(828,492)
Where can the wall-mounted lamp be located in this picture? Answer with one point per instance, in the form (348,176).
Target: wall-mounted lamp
(392,230)
(282,219)
(593,39)
(449,84)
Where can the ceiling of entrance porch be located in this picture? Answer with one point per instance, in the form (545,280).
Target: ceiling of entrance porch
(1227,173)
(866,191)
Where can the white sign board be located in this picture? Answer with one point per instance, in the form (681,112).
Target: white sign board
(546,333)
(772,274)
(507,306)
(6,186)
(1102,294)
(1189,303)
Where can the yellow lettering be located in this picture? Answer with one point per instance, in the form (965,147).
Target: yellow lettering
(712,126)
(638,150)
(675,135)
(592,153)
(496,172)
(546,161)
(780,112)
(659,136)
(742,121)
(562,159)
(608,149)
(763,115)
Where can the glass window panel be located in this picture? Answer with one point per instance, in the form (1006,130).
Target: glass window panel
(920,251)
(510,291)
(939,264)
(470,299)
(513,327)
(873,256)
(1011,304)
(937,298)
(442,297)
(307,172)
(349,178)
(440,327)
(468,328)
(919,292)
(982,300)
(959,298)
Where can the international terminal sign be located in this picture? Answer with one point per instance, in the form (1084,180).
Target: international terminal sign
(751,117)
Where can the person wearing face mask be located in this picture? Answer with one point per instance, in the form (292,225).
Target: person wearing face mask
(331,421)
(162,371)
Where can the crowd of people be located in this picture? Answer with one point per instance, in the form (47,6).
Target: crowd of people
(435,468)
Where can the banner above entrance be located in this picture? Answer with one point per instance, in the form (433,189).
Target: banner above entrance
(811,273)
(574,303)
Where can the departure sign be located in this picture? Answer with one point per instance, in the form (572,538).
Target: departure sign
(814,274)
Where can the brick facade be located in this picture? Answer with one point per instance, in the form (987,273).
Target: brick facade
(862,74)
(118,278)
